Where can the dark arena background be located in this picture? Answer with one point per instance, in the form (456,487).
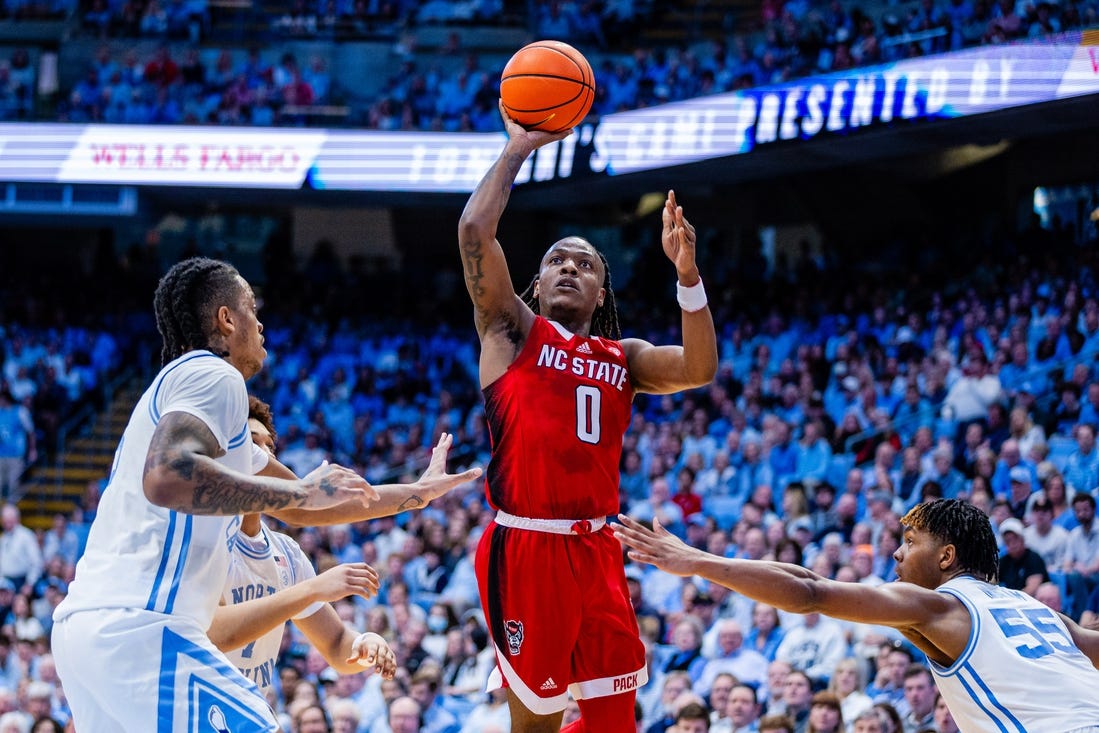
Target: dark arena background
(896,206)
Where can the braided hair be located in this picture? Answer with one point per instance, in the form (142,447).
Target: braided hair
(966,527)
(185,301)
(604,321)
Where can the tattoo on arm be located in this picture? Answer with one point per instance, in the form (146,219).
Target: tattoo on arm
(222,495)
(412,502)
(183,445)
(471,255)
(177,437)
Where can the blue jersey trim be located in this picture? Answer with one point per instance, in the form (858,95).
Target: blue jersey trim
(155,413)
(172,647)
(992,698)
(184,548)
(248,550)
(981,705)
(238,441)
(169,537)
(971,644)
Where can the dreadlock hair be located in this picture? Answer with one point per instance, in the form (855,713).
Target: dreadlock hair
(260,411)
(963,525)
(604,321)
(185,301)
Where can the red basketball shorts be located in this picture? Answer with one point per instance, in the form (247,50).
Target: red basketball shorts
(558,611)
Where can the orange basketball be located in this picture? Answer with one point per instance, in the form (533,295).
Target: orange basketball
(547,85)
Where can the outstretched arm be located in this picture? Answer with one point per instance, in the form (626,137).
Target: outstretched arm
(501,318)
(181,473)
(788,587)
(664,369)
(392,498)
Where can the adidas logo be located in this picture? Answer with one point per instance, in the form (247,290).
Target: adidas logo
(583,348)
(549,684)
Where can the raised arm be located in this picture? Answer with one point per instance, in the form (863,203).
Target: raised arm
(495,304)
(181,474)
(392,498)
(665,369)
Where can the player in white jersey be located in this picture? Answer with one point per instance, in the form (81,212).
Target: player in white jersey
(1004,662)
(271,581)
(130,639)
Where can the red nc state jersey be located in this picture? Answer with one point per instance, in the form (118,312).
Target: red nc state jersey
(556,419)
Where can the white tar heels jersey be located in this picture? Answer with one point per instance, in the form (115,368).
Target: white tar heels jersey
(1020,671)
(147,557)
(258,567)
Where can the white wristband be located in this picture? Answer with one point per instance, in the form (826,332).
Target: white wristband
(693,298)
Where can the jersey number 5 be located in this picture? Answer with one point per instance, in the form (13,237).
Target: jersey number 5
(1037,627)
(588,402)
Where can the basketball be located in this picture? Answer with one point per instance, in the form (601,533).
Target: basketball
(547,85)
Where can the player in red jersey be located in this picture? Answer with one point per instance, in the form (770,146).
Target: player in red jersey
(558,385)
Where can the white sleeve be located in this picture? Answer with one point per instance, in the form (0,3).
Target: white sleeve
(212,391)
(260,459)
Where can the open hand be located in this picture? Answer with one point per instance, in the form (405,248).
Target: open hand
(678,239)
(435,481)
(656,546)
(371,650)
(530,140)
(349,579)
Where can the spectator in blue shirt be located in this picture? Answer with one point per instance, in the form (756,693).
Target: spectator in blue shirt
(17,444)
(1082,467)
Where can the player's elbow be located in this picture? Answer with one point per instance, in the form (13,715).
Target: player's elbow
(159,487)
(221,639)
(473,227)
(699,374)
(808,597)
(705,373)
